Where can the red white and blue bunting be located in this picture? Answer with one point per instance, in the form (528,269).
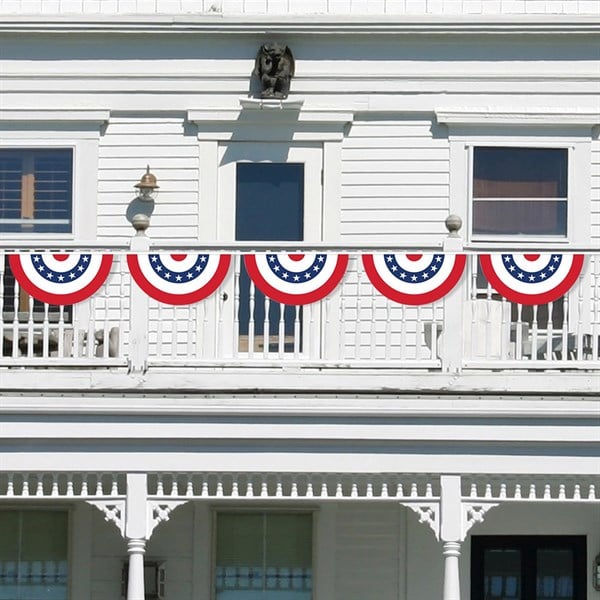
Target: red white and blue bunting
(531,278)
(296,279)
(61,278)
(179,278)
(414,278)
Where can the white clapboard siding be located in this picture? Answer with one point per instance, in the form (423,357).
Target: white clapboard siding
(127,146)
(367,542)
(395,181)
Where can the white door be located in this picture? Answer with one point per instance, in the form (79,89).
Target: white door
(267,192)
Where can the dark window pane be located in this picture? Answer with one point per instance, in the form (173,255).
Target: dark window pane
(502,574)
(269,202)
(524,217)
(555,576)
(520,173)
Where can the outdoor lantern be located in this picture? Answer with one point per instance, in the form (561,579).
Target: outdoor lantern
(147,185)
(596,573)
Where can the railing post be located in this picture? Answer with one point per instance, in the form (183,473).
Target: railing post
(451,351)
(138,309)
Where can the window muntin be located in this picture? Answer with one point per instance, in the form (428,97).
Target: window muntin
(528,567)
(520,191)
(36,190)
(264,556)
(33,555)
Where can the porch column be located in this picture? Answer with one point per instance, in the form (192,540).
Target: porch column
(135,581)
(136,532)
(451,551)
(451,533)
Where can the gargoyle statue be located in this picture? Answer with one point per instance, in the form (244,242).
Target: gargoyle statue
(275,69)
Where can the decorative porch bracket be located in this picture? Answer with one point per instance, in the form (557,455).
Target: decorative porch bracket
(113,511)
(160,512)
(428,513)
(474,513)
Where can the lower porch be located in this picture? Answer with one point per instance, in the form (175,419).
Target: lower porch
(298,536)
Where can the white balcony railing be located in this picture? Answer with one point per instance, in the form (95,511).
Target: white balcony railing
(355,326)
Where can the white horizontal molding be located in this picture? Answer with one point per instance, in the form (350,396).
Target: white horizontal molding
(71,115)
(305,24)
(257,110)
(508,116)
(349,406)
(286,120)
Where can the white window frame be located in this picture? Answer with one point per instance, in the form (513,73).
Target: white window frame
(513,128)
(479,237)
(78,131)
(578,187)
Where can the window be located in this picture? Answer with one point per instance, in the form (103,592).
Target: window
(520,191)
(33,554)
(528,568)
(36,190)
(264,556)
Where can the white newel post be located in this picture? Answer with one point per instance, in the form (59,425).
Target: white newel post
(138,311)
(451,533)
(136,533)
(451,352)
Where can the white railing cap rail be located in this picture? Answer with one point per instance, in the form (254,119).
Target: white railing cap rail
(299,247)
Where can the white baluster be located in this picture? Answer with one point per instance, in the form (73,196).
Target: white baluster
(84,485)
(266,328)
(384,490)
(547,492)
(174,486)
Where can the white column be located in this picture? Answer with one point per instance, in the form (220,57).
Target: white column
(136,532)
(451,551)
(135,582)
(451,533)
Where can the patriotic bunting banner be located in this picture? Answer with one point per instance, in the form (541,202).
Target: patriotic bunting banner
(531,278)
(414,278)
(61,278)
(178,278)
(296,278)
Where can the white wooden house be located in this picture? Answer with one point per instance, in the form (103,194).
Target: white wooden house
(357,448)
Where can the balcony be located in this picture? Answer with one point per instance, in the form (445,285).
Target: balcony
(237,336)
